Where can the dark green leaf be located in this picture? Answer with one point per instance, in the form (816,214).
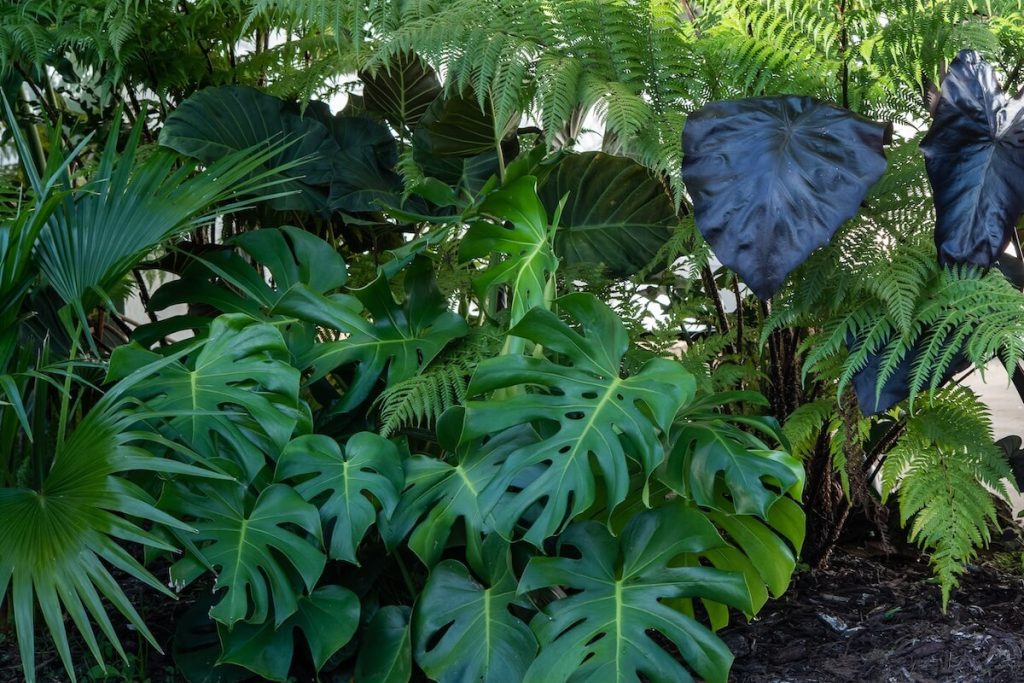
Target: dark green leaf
(386,653)
(402,90)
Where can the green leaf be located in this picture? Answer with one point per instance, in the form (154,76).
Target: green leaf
(327,618)
(397,344)
(364,177)
(523,236)
(386,652)
(598,415)
(196,647)
(438,494)
(402,90)
(614,626)
(458,127)
(239,391)
(340,484)
(464,629)
(258,548)
(616,212)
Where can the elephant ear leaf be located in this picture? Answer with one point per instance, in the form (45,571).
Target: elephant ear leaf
(464,629)
(773,178)
(616,212)
(615,625)
(974,154)
(402,90)
(599,415)
(339,483)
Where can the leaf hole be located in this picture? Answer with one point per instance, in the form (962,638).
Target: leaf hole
(575,415)
(589,395)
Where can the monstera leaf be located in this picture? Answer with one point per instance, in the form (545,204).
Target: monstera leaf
(599,415)
(215,122)
(615,625)
(438,494)
(338,483)
(523,236)
(402,90)
(259,548)
(974,154)
(772,178)
(238,390)
(464,629)
(398,342)
(327,618)
(616,212)
(386,652)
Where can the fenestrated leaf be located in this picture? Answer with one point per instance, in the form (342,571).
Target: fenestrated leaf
(617,212)
(217,121)
(610,627)
(239,389)
(773,178)
(402,90)
(523,236)
(464,629)
(340,483)
(385,655)
(327,618)
(974,154)
(260,549)
(439,494)
(600,416)
(398,342)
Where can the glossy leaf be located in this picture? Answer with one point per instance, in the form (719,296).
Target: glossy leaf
(974,154)
(402,90)
(341,484)
(260,549)
(773,178)
(395,345)
(327,619)
(616,212)
(614,624)
(386,652)
(599,415)
(464,629)
(238,390)
(364,177)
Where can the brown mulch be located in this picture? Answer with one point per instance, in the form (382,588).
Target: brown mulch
(879,618)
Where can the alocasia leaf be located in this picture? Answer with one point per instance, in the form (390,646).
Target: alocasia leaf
(614,625)
(974,154)
(327,618)
(616,211)
(396,343)
(439,493)
(773,178)
(522,234)
(260,549)
(339,483)
(365,179)
(239,390)
(464,629)
(402,90)
(385,655)
(599,416)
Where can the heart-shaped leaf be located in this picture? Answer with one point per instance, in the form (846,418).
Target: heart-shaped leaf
(616,212)
(773,178)
(600,416)
(327,618)
(464,629)
(614,626)
(385,655)
(974,153)
(338,483)
(402,90)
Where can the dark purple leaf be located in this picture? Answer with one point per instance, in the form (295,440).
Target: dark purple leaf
(772,178)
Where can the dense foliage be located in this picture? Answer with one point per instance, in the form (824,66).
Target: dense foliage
(446,382)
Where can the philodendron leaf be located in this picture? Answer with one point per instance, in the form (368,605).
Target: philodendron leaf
(616,212)
(385,655)
(522,235)
(260,549)
(601,417)
(398,342)
(463,627)
(340,484)
(401,90)
(439,493)
(974,153)
(614,625)
(327,618)
(773,178)
(239,391)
